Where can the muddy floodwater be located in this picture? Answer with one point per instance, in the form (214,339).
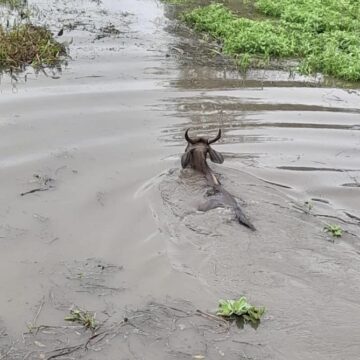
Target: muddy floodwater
(96,212)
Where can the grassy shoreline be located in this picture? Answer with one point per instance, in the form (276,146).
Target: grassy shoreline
(323,35)
(23,44)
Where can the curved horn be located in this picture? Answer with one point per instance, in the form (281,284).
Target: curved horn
(188,139)
(218,136)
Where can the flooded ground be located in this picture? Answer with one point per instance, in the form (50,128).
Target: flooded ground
(95,211)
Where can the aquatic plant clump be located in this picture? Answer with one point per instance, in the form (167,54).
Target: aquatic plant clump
(241,308)
(334,230)
(28,44)
(82,317)
(323,35)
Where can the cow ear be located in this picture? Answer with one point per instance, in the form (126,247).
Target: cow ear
(185,159)
(215,156)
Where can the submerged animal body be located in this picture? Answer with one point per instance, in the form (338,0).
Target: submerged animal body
(195,156)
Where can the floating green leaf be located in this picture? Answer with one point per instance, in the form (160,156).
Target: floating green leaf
(334,230)
(240,307)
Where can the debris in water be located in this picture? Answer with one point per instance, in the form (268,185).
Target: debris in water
(46,183)
(83,317)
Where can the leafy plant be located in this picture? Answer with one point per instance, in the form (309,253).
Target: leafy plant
(334,230)
(322,35)
(240,307)
(83,317)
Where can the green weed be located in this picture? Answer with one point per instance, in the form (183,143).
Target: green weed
(22,43)
(241,308)
(334,230)
(323,34)
(14,4)
(27,44)
(82,317)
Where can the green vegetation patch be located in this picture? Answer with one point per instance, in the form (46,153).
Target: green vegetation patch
(240,308)
(82,317)
(13,3)
(323,34)
(334,230)
(27,44)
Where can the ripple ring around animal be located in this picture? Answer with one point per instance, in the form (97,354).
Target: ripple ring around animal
(195,157)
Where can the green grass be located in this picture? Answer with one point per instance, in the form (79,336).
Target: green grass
(22,43)
(324,35)
(27,44)
(13,3)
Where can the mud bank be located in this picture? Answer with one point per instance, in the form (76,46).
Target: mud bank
(116,227)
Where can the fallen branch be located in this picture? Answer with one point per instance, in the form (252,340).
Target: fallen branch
(38,312)
(213,317)
(65,351)
(34,190)
(113,330)
(44,182)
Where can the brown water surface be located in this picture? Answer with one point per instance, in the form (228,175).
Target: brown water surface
(102,141)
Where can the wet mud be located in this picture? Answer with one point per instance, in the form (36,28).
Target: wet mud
(114,228)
